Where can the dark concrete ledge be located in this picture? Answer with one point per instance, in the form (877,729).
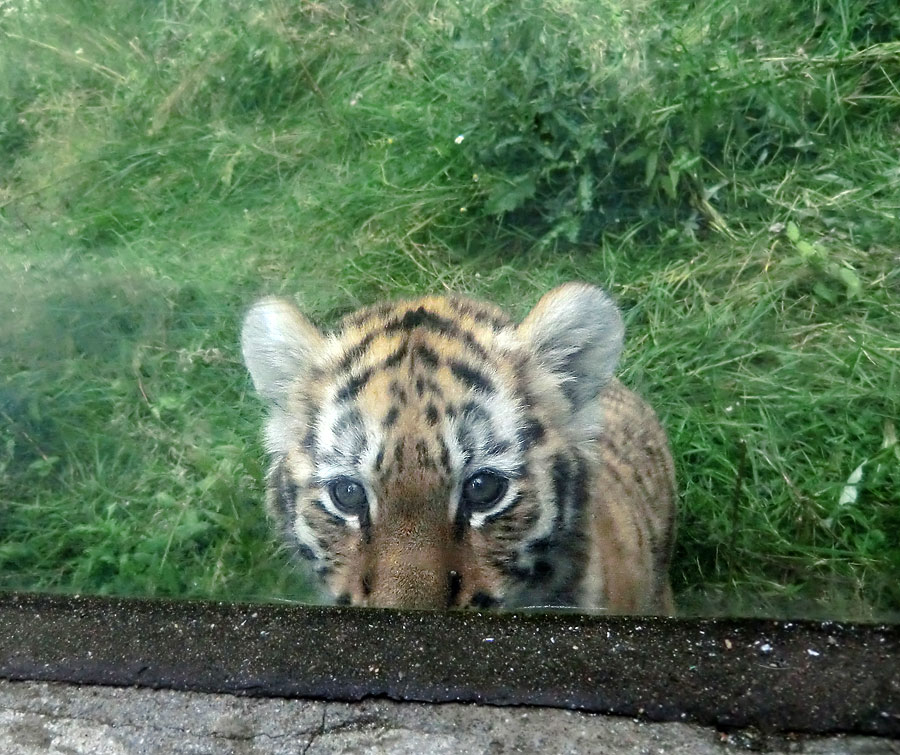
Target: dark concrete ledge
(772,675)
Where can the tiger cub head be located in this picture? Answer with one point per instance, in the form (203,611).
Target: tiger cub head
(432,453)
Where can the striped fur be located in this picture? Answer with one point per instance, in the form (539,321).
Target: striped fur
(433,453)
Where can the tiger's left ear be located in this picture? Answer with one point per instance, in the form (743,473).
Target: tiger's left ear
(576,332)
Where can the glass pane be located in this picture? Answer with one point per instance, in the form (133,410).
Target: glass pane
(729,174)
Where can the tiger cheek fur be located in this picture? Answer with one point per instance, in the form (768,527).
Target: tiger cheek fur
(432,453)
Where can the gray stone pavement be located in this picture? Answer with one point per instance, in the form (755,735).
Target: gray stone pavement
(40,718)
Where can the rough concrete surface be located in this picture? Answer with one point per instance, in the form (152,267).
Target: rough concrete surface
(59,719)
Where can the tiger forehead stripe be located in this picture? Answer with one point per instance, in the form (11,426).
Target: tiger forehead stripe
(426,354)
(471,377)
(354,353)
(396,320)
(457,308)
(478,312)
(352,387)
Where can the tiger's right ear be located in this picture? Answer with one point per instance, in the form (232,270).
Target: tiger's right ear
(277,343)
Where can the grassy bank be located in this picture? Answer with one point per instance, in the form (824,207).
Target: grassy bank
(729,171)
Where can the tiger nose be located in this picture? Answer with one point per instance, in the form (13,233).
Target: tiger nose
(416,583)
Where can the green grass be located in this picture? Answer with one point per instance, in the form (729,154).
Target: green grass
(729,171)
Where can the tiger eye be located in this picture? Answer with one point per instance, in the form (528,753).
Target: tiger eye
(348,495)
(484,489)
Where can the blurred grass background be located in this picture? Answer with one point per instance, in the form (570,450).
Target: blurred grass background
(729,170)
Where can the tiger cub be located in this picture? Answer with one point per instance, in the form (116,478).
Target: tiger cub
(432,453)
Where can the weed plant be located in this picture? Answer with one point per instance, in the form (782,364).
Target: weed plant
(730,171)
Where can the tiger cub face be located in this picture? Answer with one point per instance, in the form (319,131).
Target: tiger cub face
(433,453)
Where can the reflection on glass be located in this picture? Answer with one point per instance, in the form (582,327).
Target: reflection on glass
(727,174)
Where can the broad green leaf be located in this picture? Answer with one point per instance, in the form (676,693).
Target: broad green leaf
(806,249)
(851,281)
(508,197)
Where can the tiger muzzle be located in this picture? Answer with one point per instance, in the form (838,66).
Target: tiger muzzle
(405,575)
